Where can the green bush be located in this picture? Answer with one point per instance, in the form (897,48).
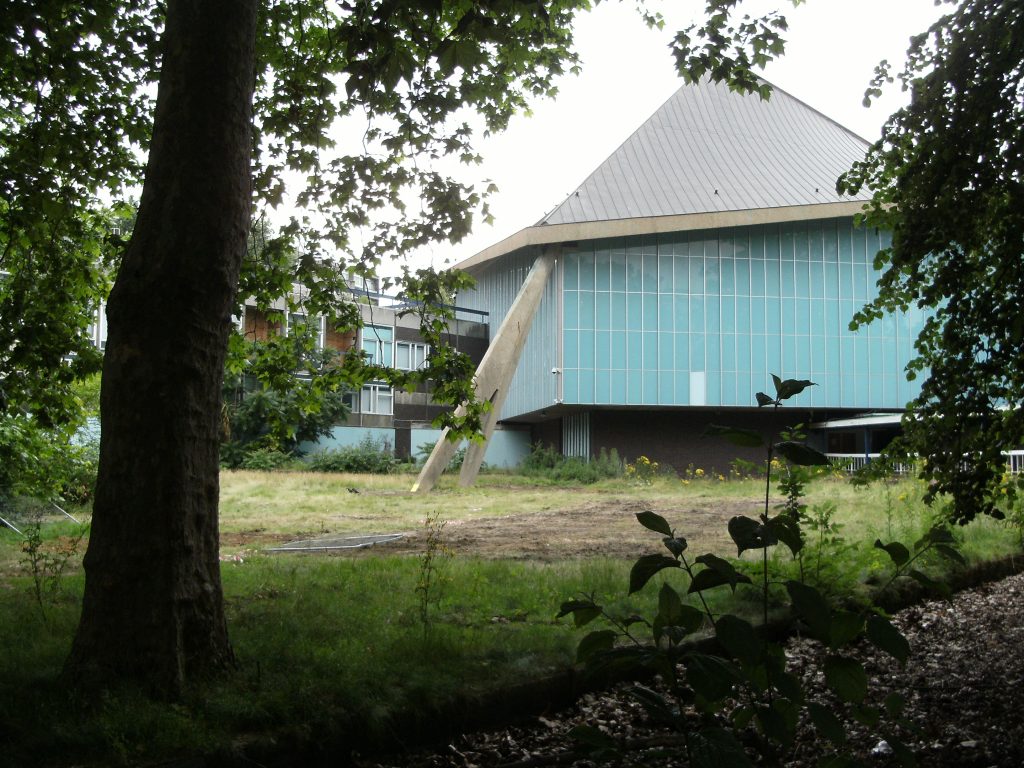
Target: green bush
(264,460)
(548,463)
(371,455)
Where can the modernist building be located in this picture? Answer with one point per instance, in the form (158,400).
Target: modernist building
(707,252)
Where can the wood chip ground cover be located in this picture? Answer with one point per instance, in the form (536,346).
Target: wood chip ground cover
(964,685)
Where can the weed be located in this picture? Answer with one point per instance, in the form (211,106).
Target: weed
(642,471)
(46,560)
(750,683)
(551,465)
(432,576)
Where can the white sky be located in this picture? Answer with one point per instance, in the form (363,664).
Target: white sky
(833,47)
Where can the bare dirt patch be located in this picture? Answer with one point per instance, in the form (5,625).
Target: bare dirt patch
(605,529)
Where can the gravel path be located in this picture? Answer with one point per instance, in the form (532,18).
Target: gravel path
(964,684)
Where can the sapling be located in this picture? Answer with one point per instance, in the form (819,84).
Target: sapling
(747,678)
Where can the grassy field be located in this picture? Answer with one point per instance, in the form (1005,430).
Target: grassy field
(358,638)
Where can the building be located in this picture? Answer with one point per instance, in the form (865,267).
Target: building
(709,251)
(395,418)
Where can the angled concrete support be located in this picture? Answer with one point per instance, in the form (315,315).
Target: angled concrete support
(493,376)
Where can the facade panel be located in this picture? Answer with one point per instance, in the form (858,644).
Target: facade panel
(706,315)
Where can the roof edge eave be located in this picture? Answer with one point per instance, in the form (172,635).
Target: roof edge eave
(551,234)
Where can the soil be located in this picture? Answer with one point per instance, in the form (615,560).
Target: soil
(608,529)
(964,686)
(964,683)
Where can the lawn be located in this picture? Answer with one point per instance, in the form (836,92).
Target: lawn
(351,643)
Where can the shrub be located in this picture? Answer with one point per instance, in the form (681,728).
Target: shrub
(264,460)
(548,463)
(371,455)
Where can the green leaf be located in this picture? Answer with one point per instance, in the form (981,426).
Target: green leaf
(884,636)
(644,568)
(790,387)
(867,715)
(710,676)
(656,705)
(594,643)
(827,724)
(741,717)
(810,606)
(675,544)
(951,553)
(748,533)
(717,573)
(654,522)
(787,530)
(894,704)
(763,400)
(739,639)
(744,438)
(846,677)
(673,614)
(845,627)
(778,722)
(801,454)
(899,553)
(717,748)
(583,611)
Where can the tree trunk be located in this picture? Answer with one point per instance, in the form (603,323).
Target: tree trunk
(153,609)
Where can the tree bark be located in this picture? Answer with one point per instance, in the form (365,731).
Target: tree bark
(153,611)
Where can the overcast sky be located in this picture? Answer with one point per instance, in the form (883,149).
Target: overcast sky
(833,47)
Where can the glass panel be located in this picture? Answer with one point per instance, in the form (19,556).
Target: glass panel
(696,313)
(603,352)
(603,303)
(634,305)
(728,277)
(666,321)
(602,387)
(586,350)
(650,311)
(634,265)
(665,272)
(681,276)
(634,352)
(618,267)
(602,270)
(650,340)
(650,277)
(570,271)
(586,268)
(650,393)
(618,311)
(586,309)
(618,386)
(570,349)
(682,313)
(618,341)
(666,388)
(586,380)
(571,309)
(758,283)
(712,312)
(403,356)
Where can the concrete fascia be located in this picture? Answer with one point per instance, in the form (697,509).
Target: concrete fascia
(596,230)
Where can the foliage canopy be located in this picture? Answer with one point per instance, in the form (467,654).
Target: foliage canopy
(948,182)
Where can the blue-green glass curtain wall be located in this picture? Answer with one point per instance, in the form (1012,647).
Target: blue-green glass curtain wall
(704,318)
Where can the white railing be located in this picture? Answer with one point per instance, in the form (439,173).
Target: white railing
(851,462)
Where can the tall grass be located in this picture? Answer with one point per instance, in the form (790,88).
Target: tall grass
(328,640)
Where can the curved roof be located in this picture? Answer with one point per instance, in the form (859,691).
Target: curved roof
(708,157)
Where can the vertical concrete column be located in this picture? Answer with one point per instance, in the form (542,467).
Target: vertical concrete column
(493,376)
